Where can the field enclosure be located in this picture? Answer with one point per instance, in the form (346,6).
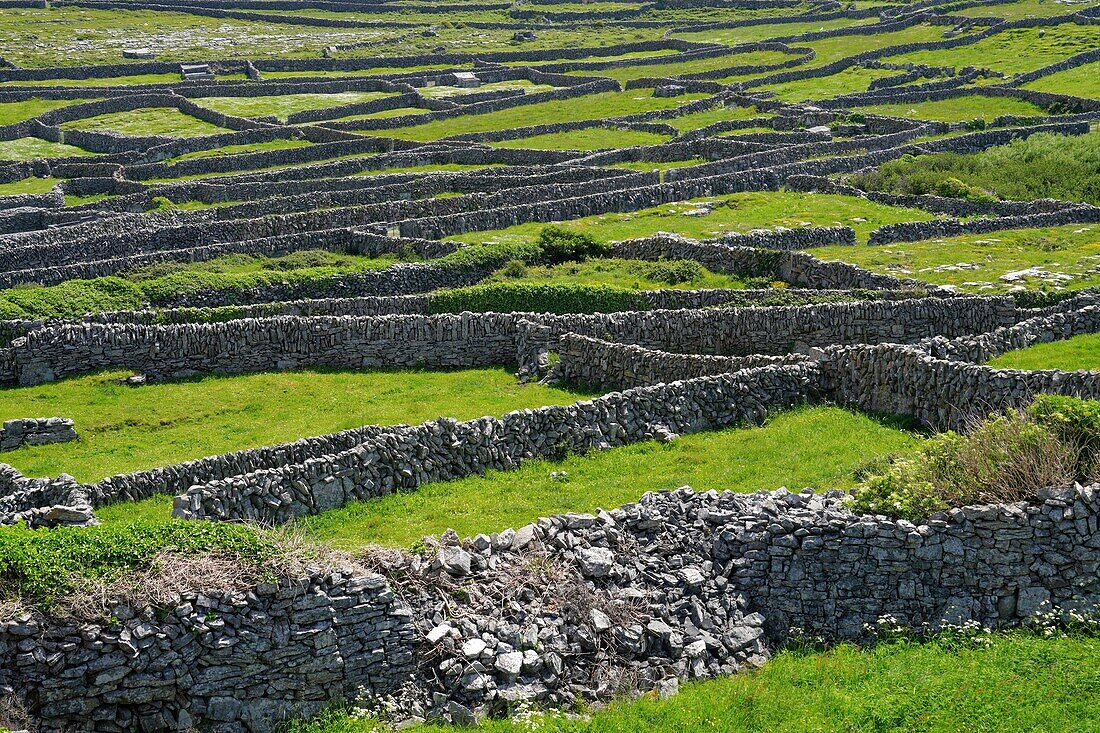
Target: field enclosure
(333,332)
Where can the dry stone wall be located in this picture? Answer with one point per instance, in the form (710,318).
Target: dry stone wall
(36,431)
(469,339)
(229,660)
(447,449)
(720,581)
(608,366)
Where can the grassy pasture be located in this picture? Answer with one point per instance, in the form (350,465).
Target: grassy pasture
(977,262)
(127,429)
(12,112)
(1014,50)
(589,138)
(1079,352)
(148,121)
(728,214)
(30,148)
(1083,81)
(959,109)
(286,104)
(817,446)
(591,107)
(850,80)
(1018,682)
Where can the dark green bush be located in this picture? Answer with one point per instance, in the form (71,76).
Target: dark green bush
(42,565)
(671,272)
(562,245)
(537,297)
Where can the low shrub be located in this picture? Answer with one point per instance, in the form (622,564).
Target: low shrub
(1003,459)
(671,272)
(537,297)
(1077,422)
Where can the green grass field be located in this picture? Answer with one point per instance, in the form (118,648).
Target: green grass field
(1079,352)
(283,105)
(126,429)
(30,148)
(1019,682)
(727,214)
(590,138)
(960,109)
(1014,50)
(591,107)
(1083,81)
(819,447)
(149,121)
(977,262)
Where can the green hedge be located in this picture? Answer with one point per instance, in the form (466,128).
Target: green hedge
(539,298)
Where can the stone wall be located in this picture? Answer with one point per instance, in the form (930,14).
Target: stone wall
(721,580)
(469,339)
(42,502)
(807,562)
(36,431)
(1083,318)
(945,395)
(447,449)
(608,366)
(226,660)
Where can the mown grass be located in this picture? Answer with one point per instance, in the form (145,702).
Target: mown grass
(147,121)
(976,262)
(286,104)
(30,148)
(590,107)
(1020,682)
(590,138)
(814,446)
(959,109)
(735,213)
(1013,50)
(126,429)
(1072,354)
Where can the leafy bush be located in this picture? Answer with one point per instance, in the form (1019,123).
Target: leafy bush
(514,269)
(562,245)
(537,297)
(1003,459)
(307,258)
(672,272)
(902,492)
(42,565)
(1077,422)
